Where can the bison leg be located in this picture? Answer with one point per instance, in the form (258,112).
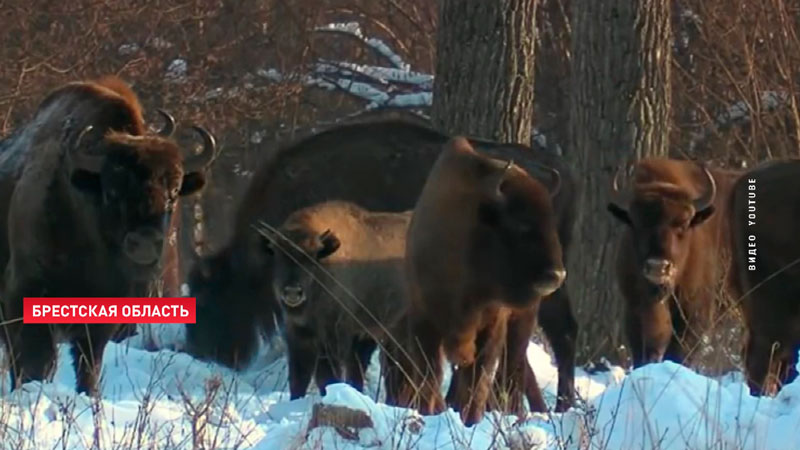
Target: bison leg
(787,367)
(32,353)
(649,333)
(124,332)
(31,349)
(689,325)
(514,374)
(561,329)
(394,362)
(87,356)
(328,371)
(358,361)
(474,382)
(413,374)
(683,342)
(302,355)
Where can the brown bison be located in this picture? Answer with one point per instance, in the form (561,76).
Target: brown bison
(766,276)
(11,170)
(87,216)
(338,276)
(482,247)
(381,165)
(671,256)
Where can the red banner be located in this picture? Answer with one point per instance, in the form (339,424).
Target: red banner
(108,310)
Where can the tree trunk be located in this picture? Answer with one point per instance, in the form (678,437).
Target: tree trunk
(484,69)
(619,110)
(551,114)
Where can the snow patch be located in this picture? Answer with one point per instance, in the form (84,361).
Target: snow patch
(167,399)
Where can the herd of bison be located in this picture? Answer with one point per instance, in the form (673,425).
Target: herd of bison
(385,235)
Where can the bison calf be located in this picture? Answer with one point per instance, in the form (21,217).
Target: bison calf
(670,260)
(482,248)
(338,276)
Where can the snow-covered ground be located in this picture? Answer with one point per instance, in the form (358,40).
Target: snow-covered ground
(166,399)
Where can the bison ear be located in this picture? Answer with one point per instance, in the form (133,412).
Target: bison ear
(86,181)
(701,216)
(330,243)
(192,182)
(619,213)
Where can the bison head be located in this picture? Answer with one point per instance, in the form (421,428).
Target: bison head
(517,242)
(134,182)
(298,252)
(662,217)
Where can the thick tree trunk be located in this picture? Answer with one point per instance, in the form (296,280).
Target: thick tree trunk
(484,69)
(620,110)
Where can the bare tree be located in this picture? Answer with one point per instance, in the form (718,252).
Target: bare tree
(619,110)
(484,69)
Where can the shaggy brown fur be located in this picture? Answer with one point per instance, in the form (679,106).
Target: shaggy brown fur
(766,273)
(482,246)
(380,165)
(87,213)
(671,259)
(339,280)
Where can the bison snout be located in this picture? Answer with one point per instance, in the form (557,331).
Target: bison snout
(143,246)
(659,271)
(550,282)
(293,296)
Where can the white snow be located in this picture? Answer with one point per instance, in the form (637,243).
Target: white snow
(165,399)
(176,71)
(739,113)
(354,29)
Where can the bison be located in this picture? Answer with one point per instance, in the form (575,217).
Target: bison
(89,208)
(482,247)
(765,275)
(338,276)
(671,255)
(10,171)
(380,165)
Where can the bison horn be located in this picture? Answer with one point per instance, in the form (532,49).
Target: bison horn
(82,160)
(83,133)
(203,160)
(504,172)
(169,123)
(555,179)
(708,197)
(617,196)
(504,169)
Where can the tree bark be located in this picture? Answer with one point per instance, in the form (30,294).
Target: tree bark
(619,110)
(485,69)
